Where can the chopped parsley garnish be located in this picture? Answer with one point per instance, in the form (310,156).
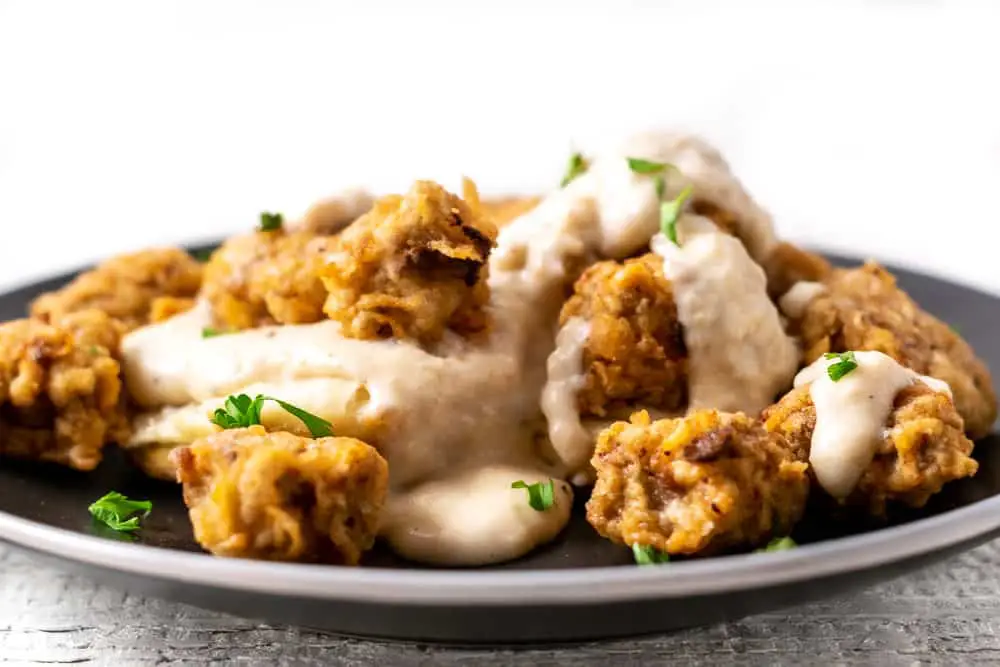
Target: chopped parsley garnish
(577,165)
(670,211)
(647,555)
(120,513)
(270,222)
(778,544)
(202,255)
(241,411)
(641,166)
(845,364)
(541,495)
(210,332)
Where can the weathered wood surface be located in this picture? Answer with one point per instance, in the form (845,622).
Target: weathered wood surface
(949,614)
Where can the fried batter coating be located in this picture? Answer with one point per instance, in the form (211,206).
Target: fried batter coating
(60,389)
(863,309)
(705,483)
(412,267)
(267,278)
(502,210)
(923,447)
(125,287)
(635,352)
(278,496)
(788,264)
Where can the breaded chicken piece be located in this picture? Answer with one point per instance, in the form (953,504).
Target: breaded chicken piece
(863,309)
(267,278)
(635,352)
(60,389)
(923,448)
(126,287)
(278,496)
(705,483)
(412,267)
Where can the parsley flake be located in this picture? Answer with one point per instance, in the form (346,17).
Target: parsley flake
(647,555)
(778,544)
(202,255)
(240,411)
(670,211)
(120,513)
(846,362)
(577,166)
(541,495)
(211,332)
(270,222)
(641,166)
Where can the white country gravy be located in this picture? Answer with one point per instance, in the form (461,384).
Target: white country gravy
(739,356)
(572,442)
(798,297)
(851,415)
(458,424)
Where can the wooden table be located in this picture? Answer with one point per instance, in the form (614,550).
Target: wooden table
(949,614)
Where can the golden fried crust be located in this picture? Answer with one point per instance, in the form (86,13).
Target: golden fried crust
(635,351)
(412,267)
(705,483)
(125,287)
(267,278)
(278,496)
(788,264)
(923,449)
(60,389)
(863,309)
(502,210)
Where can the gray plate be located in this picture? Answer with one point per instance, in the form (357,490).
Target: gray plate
(580,587)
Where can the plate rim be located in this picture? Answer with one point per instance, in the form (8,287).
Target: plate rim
(464,588)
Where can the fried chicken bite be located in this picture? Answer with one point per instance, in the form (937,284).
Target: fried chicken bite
(126,287)
(702,484)
(60,389)
(267,277)
(278,496)
(412,267)
(923,446)
(864,309)
(634,354)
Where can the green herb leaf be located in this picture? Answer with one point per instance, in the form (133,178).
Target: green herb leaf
(210,332)
(778,544)
(202,255)
(647,555)
(270,222)
(846,362)
(957,329)
(120,513)
(318,427)
(661,186)
(641,166)
(541,495)
(670,211)
(577,165)
(240,411)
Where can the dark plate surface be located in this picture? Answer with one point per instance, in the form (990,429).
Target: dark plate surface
(580,587)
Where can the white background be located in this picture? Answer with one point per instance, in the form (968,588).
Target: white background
(871,127)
